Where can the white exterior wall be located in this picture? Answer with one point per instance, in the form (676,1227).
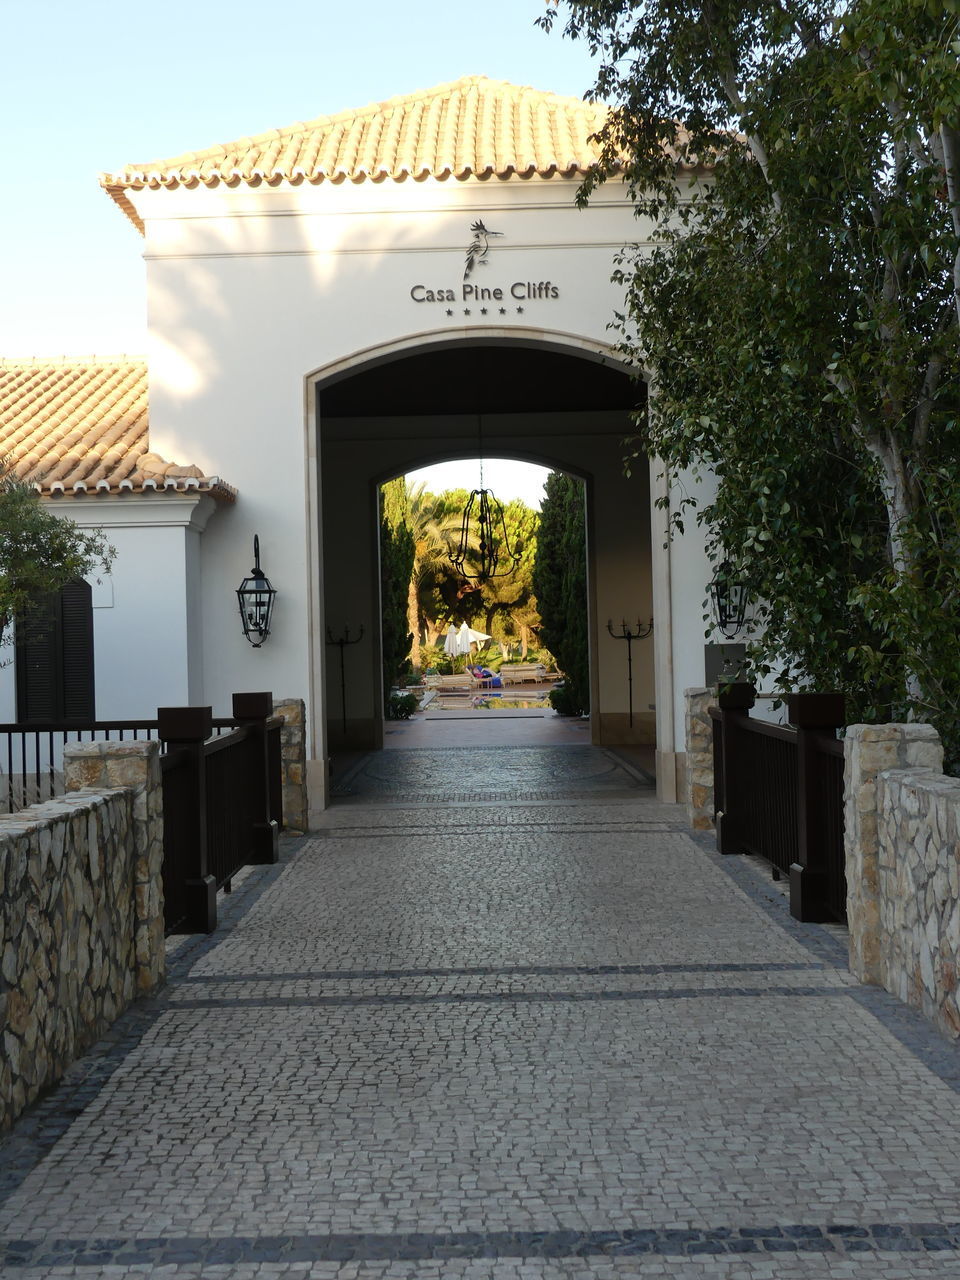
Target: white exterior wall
(146,610)
(690,572)
(251,292)
(258,296)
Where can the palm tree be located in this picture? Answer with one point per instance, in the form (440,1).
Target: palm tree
(435,533)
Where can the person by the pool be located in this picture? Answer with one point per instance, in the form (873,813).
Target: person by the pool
(484,673)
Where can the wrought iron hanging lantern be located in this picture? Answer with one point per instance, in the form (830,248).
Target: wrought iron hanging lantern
(483,539)
(729,600)
(483,543)
(256,596)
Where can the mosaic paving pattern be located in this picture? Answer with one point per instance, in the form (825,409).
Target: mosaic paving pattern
(499,1042)
(514,774)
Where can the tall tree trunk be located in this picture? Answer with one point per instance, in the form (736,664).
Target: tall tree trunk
(413,621)
(950,150)
(898,499)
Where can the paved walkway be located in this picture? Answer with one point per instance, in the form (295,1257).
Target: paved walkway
(522,1027)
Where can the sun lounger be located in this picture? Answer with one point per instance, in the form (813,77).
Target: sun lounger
(465,681)
(523,673)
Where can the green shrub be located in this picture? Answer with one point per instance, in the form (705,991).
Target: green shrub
(401,706)
(564,700)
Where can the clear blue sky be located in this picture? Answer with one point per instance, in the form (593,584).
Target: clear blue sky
(91,85)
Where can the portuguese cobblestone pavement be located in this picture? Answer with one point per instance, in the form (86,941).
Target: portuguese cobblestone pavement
(501,1018)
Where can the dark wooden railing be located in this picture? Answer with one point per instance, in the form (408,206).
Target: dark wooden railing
(223,809)
(778,793)
(222,792)
(830,835)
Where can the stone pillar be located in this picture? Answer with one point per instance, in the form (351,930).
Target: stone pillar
(293,752)
(699,773)
(100,766)
(868,749)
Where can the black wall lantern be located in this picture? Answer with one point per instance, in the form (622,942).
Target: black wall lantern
(729,600)
(256,597)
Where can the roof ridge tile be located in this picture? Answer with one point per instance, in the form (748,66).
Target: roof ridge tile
(470,127)
(70,424)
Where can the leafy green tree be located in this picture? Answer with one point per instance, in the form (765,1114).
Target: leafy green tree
(560,582)
(800,163)
(508,603)
(39,551)
(434,531)
(396,566)
(503,607)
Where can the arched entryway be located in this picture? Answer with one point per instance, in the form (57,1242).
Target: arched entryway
(550,400)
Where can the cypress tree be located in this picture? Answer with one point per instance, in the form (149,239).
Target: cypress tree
(560,586)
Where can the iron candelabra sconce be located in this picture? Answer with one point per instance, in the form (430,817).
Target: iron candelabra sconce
(342,641)
(627,633)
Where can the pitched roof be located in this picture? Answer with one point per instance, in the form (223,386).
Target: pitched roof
(472,127)
(80,425)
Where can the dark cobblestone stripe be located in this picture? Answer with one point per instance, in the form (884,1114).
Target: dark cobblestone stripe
(929,1237)
(484,971)
(498,997)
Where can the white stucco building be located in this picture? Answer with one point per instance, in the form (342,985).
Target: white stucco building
(324,314)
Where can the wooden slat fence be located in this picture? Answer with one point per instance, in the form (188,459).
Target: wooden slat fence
(778,794)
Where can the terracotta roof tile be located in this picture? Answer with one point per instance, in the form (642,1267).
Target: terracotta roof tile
(81,425)
(473,127)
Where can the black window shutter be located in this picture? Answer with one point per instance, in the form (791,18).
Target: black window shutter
(55,658)
(39,667)
(76,635)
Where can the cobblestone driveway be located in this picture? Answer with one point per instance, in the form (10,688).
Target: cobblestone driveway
(514,1038)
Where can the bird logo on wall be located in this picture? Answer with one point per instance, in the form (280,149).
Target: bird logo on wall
(479,248)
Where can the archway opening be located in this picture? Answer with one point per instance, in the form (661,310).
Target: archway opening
(457,639)
(567,410)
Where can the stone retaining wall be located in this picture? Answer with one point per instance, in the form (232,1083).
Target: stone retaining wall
(293,755)
(918,889)
(81,914)
(902,845)
(698,782)
(868,750)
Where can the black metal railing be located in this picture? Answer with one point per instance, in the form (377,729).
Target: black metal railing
(222,791)
(31,756)
(778,793)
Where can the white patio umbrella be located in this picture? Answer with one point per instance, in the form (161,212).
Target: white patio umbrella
(450,643)
(467,636)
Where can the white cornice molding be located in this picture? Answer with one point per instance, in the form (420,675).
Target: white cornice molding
(369,200)
(136,511)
